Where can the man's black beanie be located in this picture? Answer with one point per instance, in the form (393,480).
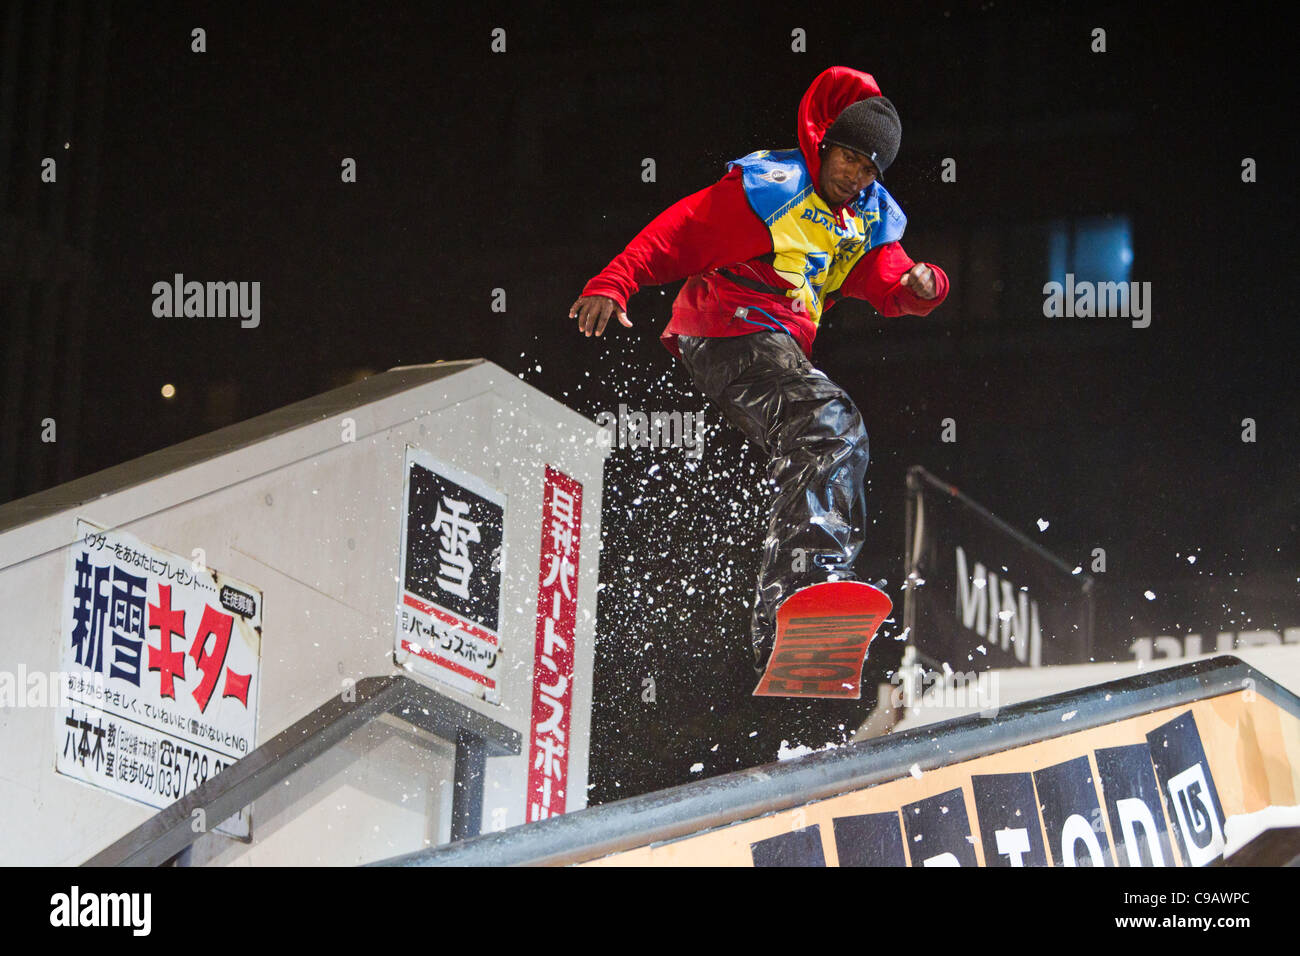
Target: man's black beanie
(870,127)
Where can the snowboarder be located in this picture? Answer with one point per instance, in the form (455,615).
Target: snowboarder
(766,251)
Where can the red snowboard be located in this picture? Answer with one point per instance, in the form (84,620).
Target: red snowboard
(822,633)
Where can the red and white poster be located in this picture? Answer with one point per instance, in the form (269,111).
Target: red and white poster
(160,670)
(557,606)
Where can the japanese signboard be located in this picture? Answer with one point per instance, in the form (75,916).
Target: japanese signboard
(557,596)
(160,670)
(449,597)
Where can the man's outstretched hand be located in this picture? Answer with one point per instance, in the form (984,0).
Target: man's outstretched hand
(920,280)
(593,313)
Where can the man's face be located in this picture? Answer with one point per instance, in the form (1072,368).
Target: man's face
(844,174)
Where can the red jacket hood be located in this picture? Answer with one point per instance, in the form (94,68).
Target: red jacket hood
(835,88)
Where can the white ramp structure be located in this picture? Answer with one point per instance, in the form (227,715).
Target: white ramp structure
(358,626)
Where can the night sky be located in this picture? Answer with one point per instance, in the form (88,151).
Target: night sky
(522,170)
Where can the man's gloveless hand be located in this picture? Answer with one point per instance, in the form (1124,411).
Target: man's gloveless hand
(920,280)
(593,313)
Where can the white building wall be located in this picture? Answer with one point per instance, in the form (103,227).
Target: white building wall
(313,521)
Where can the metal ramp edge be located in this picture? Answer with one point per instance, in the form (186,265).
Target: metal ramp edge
(709,804)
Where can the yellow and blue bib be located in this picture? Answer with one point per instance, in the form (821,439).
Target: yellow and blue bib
(812,249)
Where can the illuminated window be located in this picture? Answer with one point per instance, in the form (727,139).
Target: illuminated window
(1093,248)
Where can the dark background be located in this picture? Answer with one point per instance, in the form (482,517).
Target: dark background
(522,171)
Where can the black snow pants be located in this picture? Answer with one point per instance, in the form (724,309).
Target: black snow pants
(816,444)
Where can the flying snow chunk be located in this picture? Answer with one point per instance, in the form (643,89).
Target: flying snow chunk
(1191,559)
(696,767)
(915,771)
(1069,716)
(786,752)
(1241,829)
(1042,525)
(1149,595)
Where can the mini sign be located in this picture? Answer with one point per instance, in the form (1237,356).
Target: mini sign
(983,596)
(159,679)
(449,598)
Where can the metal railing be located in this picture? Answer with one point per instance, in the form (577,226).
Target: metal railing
(691,808)
(475,735)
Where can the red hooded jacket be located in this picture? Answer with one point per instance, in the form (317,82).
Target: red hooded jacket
(716,228)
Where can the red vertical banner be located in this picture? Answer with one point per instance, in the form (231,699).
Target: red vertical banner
(557,611)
